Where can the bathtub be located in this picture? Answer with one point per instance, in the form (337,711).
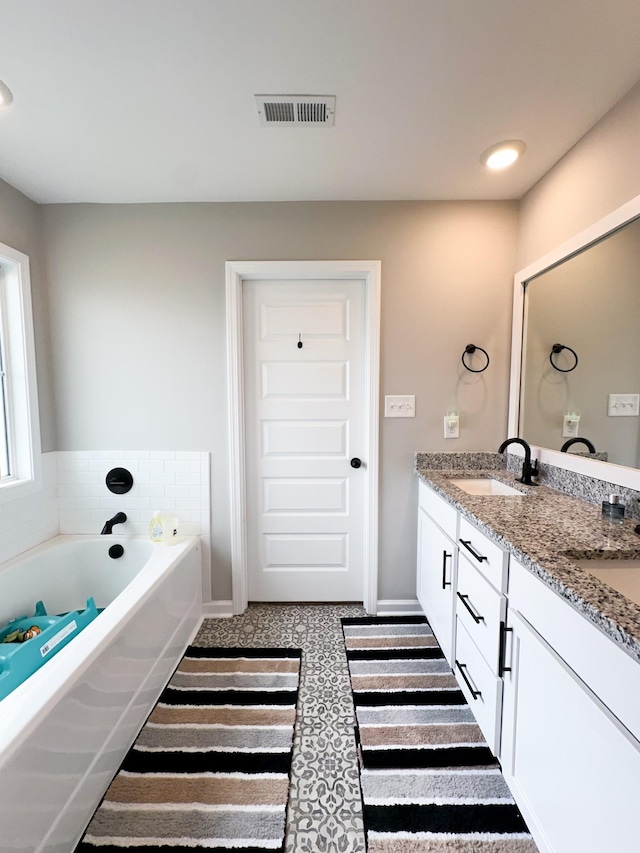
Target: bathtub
(65,730)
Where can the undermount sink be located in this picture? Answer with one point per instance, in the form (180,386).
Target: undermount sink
(623,575)
(485,486)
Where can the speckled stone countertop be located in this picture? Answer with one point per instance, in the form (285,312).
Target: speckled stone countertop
(547,531)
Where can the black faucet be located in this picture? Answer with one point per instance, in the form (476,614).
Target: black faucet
(529,470)
(573,441)
(118,518)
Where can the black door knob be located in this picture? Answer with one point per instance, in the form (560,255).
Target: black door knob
(355,462)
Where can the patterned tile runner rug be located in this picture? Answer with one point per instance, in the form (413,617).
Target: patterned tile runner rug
(430,783)
(210,768)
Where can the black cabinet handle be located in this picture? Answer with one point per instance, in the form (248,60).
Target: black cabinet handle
(463,599)
(445,557)
(474,693)
(502,650)
(355,462)
(467,545)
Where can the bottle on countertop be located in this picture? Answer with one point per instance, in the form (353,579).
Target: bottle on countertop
(613,510)
(156,526)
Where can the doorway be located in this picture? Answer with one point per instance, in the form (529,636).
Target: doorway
(303,358)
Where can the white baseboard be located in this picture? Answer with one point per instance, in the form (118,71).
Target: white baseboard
(386,607)
(399,607)
(217,609)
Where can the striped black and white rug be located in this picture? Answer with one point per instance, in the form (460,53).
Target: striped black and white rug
(430,783)
(210,768)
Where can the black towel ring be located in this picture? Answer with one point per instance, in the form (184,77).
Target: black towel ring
(470,349)
(555,349)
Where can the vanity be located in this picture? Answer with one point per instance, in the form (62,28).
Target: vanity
(546,653)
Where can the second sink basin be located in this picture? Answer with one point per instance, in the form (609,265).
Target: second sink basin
(485,486)
(622,575)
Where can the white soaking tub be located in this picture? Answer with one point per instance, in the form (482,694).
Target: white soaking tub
(65,730)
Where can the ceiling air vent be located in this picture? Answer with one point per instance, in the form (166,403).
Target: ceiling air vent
(311,110)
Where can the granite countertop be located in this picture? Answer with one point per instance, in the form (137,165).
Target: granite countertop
(547,531)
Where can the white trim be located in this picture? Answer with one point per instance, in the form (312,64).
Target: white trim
(23,417)
(236,273)
(606,471)
(399,607)
(217,609)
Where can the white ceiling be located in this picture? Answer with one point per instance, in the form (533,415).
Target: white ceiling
(153,100)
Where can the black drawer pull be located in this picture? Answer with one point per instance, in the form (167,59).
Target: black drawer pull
(445,557)
(474,693)
(467,545)
(502,650)
(463,598)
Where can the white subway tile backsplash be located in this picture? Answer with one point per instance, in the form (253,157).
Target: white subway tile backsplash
(154,465)
(162,479)
(75,498)
(178,467)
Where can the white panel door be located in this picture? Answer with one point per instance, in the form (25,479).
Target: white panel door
(304,422)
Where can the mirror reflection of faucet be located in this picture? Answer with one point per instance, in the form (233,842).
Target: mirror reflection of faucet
(589,444)
(529,469)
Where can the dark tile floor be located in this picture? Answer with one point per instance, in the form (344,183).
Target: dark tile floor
(325,808)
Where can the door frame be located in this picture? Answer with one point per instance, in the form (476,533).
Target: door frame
(237,272)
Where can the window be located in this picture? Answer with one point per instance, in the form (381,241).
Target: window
(5,468)
(19,424)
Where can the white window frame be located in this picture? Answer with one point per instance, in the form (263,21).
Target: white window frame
(23,421)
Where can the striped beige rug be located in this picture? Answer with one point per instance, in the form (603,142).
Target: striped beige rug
(210,768)
(430,783)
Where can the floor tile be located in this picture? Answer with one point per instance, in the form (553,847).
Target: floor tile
(325,807)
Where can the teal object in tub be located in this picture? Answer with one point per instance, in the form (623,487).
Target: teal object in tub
(20,660)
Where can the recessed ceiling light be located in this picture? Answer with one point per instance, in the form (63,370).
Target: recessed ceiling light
(503,154)
(6,95)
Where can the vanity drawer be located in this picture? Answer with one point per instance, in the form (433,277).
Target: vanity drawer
(481,610)
(444,515)
(482,689)
(484,554)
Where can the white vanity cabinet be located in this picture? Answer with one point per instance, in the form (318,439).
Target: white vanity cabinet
(480,616)
(437,563)
(570,750)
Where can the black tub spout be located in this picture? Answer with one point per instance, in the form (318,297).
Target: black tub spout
(118,518)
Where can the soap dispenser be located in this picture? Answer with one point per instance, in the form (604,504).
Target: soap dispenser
(613,510)
(156,526)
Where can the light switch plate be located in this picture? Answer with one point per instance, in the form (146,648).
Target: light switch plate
(624,405)
(400,406)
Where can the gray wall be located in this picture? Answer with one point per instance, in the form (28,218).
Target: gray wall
(21,228)
(599,174)
(138,330)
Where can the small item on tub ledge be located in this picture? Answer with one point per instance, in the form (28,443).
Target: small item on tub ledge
(613,510)
(170,530)
(156,526)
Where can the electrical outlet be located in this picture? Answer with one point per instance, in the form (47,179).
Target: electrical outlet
(451,426)
(400,406)
(570,425)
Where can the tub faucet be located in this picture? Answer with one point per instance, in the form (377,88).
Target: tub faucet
(529,469)
(118,518)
